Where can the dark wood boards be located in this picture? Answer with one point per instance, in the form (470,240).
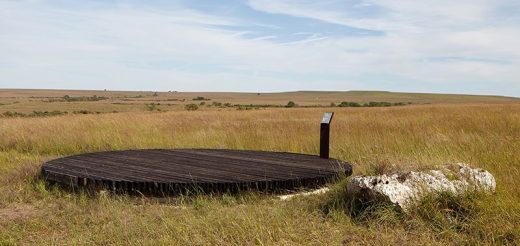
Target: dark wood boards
(173,171)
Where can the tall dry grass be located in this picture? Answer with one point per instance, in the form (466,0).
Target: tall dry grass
(373,139)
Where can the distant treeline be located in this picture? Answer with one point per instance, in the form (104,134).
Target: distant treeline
(369,104)
(68,98)
(10,114)
(292,104)
(34,113)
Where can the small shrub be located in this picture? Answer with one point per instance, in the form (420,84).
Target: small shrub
(200,99)
(47,113)
(191,107)
(82,112)
(290,104)
(151,106)
(13,114)
(349,104)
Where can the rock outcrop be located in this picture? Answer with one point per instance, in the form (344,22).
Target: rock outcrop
(404,189)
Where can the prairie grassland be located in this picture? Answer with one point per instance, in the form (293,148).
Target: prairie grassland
(26,101)
(375,140)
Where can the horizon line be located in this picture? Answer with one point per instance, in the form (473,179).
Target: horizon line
(255,92)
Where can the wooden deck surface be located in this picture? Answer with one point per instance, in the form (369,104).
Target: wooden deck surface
(167,171)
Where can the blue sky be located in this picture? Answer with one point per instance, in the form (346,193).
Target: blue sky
(445,46)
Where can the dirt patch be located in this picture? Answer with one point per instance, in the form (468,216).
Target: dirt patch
(16,211)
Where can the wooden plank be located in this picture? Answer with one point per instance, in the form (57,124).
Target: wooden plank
(165,171)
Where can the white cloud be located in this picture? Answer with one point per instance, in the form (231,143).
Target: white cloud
(176,48)
(417,31)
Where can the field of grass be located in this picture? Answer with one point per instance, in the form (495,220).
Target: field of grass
(27,101)
(413,137)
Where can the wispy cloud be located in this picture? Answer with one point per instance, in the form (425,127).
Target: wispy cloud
(463,46)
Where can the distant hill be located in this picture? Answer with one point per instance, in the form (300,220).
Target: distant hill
(364,96)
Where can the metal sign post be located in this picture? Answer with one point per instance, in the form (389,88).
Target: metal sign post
(324,134)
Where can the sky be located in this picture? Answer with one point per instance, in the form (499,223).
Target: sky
(442,46)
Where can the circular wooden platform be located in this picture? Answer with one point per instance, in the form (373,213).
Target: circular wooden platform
(163,171)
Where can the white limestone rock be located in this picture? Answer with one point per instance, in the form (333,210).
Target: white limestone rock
(307,193)
(403,189)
